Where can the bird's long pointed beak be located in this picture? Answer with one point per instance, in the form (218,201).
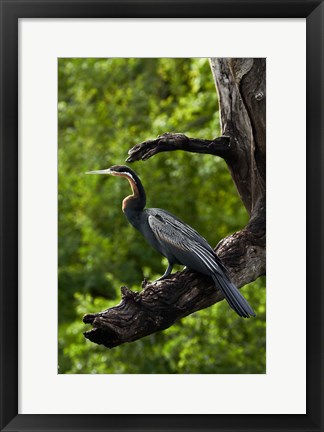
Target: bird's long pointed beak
(105,171)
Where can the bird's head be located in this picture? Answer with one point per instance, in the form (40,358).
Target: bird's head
(117,170)
(125,171)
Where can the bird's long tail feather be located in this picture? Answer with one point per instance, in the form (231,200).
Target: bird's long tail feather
(233,296)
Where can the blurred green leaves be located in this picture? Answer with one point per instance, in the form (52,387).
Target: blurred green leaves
(105,106)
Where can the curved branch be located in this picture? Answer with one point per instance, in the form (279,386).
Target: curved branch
(162,303)
(220,146)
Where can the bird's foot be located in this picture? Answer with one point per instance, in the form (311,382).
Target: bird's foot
(145,283)
(165,276)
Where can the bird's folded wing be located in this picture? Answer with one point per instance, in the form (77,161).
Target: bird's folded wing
(184,243)
(187,247)
(180,226)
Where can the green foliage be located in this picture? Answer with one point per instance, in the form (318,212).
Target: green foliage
(105,106)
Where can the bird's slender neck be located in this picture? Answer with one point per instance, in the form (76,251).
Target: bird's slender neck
(137,201)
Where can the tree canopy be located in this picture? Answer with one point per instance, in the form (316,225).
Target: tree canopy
(106,106)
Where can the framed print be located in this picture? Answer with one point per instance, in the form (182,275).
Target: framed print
(82,84)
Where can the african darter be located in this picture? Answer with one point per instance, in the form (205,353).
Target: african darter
(176,240)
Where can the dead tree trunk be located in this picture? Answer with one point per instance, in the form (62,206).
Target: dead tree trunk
(242,98)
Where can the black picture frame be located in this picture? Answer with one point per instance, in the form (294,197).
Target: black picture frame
(11,11)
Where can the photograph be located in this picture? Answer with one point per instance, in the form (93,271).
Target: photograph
(163,273)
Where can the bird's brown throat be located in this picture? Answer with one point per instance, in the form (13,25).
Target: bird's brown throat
(134,187)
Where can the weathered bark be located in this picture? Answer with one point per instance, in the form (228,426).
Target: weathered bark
(241,88)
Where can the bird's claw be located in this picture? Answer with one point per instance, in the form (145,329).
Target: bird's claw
(145,283)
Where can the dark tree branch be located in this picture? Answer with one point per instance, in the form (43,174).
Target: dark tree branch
(175,141)
(162,303)
(241,89)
